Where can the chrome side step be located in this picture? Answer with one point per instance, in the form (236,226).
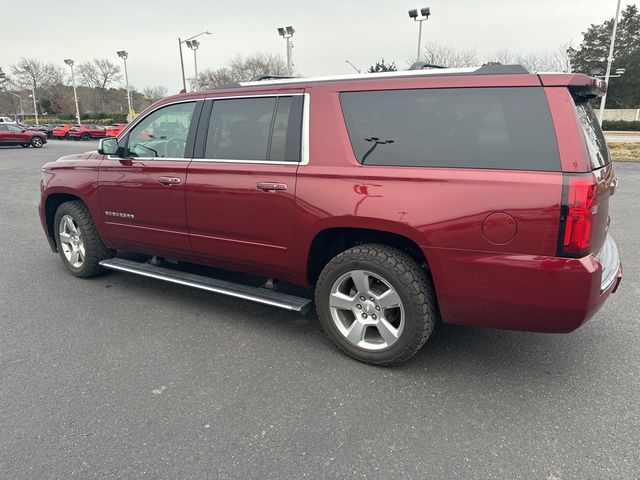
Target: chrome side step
(253,294)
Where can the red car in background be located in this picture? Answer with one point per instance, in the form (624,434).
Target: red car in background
(62,131)
(14,135)
(87,132)
(114,129)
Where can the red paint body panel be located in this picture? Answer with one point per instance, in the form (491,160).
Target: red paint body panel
(490,237)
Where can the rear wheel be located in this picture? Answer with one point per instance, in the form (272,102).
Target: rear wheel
(376,304)
(37,142)
(78,241)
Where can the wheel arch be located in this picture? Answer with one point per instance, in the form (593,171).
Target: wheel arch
(331,241)
(51,204)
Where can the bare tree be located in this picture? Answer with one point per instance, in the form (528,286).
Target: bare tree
(99,74)
(31,73)
(153,94)
(242,69)
(448,56)
(544,61)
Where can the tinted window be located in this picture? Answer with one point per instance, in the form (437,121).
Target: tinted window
(3,127)
(596,143)
(501,128)
(266,128)
(162,133)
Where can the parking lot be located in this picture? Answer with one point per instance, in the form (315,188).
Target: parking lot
(126,377)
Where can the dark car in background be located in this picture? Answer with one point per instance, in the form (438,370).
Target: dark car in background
(87,132)
(15,135)
(46,128)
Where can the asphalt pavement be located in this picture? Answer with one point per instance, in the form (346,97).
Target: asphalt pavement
(122,377)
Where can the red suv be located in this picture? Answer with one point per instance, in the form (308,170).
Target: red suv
(87,132)
(478,196)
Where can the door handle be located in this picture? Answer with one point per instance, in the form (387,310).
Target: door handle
(271,187)
(169,180)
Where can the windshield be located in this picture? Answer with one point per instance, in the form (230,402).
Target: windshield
(596,143)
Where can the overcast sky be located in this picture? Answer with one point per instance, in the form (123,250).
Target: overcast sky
(327,31)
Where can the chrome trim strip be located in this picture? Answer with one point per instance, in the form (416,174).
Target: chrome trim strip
(261,95)
(403,73)
(609,258)
(245,292)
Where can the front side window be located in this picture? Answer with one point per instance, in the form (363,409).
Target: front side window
(3,127)
(261,128)
(14,128)
(162,133)
(496,128)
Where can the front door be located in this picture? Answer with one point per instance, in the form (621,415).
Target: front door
(241,194)
(142,194)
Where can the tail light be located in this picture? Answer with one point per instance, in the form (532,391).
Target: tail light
(579,207)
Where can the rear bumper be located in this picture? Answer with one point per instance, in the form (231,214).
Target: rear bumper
(523,292)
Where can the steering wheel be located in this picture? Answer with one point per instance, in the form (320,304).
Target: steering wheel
(174,147)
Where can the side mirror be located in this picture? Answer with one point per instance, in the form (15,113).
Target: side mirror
(108,146)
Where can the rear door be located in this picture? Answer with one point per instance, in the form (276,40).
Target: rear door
(241,190)
(143,194)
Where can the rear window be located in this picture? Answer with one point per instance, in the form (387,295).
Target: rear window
(596,143)
(497,128)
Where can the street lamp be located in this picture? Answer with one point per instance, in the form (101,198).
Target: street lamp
(180,42)
(609,62)
(35,105)
(193,45)
(287,33)
(70,62)
(354,67)
(424,15)
(124,55)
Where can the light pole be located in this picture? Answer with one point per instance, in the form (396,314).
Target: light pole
(124,55)
(354,67)
(424,15)
(21,109)
(70,62)
(193,45)
(609,62)
(180,42)
(287,33)
(35,105)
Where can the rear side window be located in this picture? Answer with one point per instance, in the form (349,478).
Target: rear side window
(260,128)
(497,128)
(596,143)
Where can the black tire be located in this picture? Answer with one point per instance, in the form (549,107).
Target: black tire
(410,283)
(86,136)
(37,142)
(95,250)
(25,145)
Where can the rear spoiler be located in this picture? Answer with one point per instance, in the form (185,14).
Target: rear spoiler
(579,84)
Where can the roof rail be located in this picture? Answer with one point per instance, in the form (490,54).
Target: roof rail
(424,66)
(259,78)
(484,70)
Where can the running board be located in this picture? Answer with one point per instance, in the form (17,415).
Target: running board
(253,294)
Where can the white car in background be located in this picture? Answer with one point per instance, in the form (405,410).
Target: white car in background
(6,120)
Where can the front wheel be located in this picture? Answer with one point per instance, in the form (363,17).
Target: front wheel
(86,136)
(79,244)
(37,142)
(376,304)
